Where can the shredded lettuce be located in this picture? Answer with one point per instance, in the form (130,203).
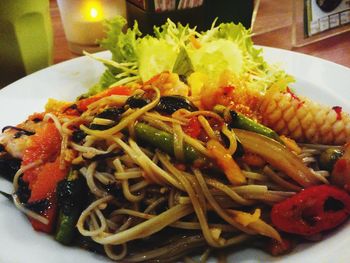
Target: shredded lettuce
(223,49)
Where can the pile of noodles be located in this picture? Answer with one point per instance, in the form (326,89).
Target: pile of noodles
(161,208)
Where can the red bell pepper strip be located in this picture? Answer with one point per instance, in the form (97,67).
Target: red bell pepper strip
(83,104)
(44,145)
(311,211)
(50,213)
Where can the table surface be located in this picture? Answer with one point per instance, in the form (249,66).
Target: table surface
(273,28)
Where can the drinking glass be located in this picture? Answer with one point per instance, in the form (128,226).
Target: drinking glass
(26,40)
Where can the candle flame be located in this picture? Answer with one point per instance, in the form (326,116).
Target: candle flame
(93,11)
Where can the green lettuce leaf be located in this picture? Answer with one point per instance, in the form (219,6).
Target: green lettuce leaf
(215,57)
(155,56)
(183,64)
(122,45)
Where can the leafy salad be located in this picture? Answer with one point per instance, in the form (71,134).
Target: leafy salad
(200,57)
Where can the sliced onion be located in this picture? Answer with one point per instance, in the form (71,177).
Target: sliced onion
(278,156)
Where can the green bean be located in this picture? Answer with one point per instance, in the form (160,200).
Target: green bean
(165,142)
(237,120)
(70,195)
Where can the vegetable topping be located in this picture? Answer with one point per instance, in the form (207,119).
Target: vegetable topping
(312,211)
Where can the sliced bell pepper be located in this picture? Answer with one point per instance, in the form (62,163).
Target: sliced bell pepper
(83,104)
(44,146)
(226,162)
(50,213)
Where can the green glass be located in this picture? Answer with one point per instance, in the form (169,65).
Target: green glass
(26,40)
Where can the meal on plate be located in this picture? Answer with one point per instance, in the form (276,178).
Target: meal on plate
(189,146)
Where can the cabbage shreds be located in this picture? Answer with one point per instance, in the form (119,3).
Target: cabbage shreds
(222,51)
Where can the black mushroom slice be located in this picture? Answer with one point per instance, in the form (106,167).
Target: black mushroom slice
(9,166)
(38,206)
(78,136)
(170,104)
(113,114)
(136,101)
(23,192)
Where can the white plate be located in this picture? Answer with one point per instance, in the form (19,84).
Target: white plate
(320,80)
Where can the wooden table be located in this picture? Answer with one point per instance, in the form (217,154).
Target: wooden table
(273,28)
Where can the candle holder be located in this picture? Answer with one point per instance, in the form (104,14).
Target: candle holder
(83,21)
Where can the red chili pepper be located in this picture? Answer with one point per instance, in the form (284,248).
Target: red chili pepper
(313,210)
(338,111)
(193,128)
(295,97)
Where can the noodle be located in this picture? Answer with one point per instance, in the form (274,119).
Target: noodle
(279,180)
(232,139)
(195,202)
(143,204)
(124,122)
(206,126)
(146,228)
(87,213)
(89,175)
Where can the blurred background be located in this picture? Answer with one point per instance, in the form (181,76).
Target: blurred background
(272,27)
(66,27)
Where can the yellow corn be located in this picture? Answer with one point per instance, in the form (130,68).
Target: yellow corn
(304,120)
